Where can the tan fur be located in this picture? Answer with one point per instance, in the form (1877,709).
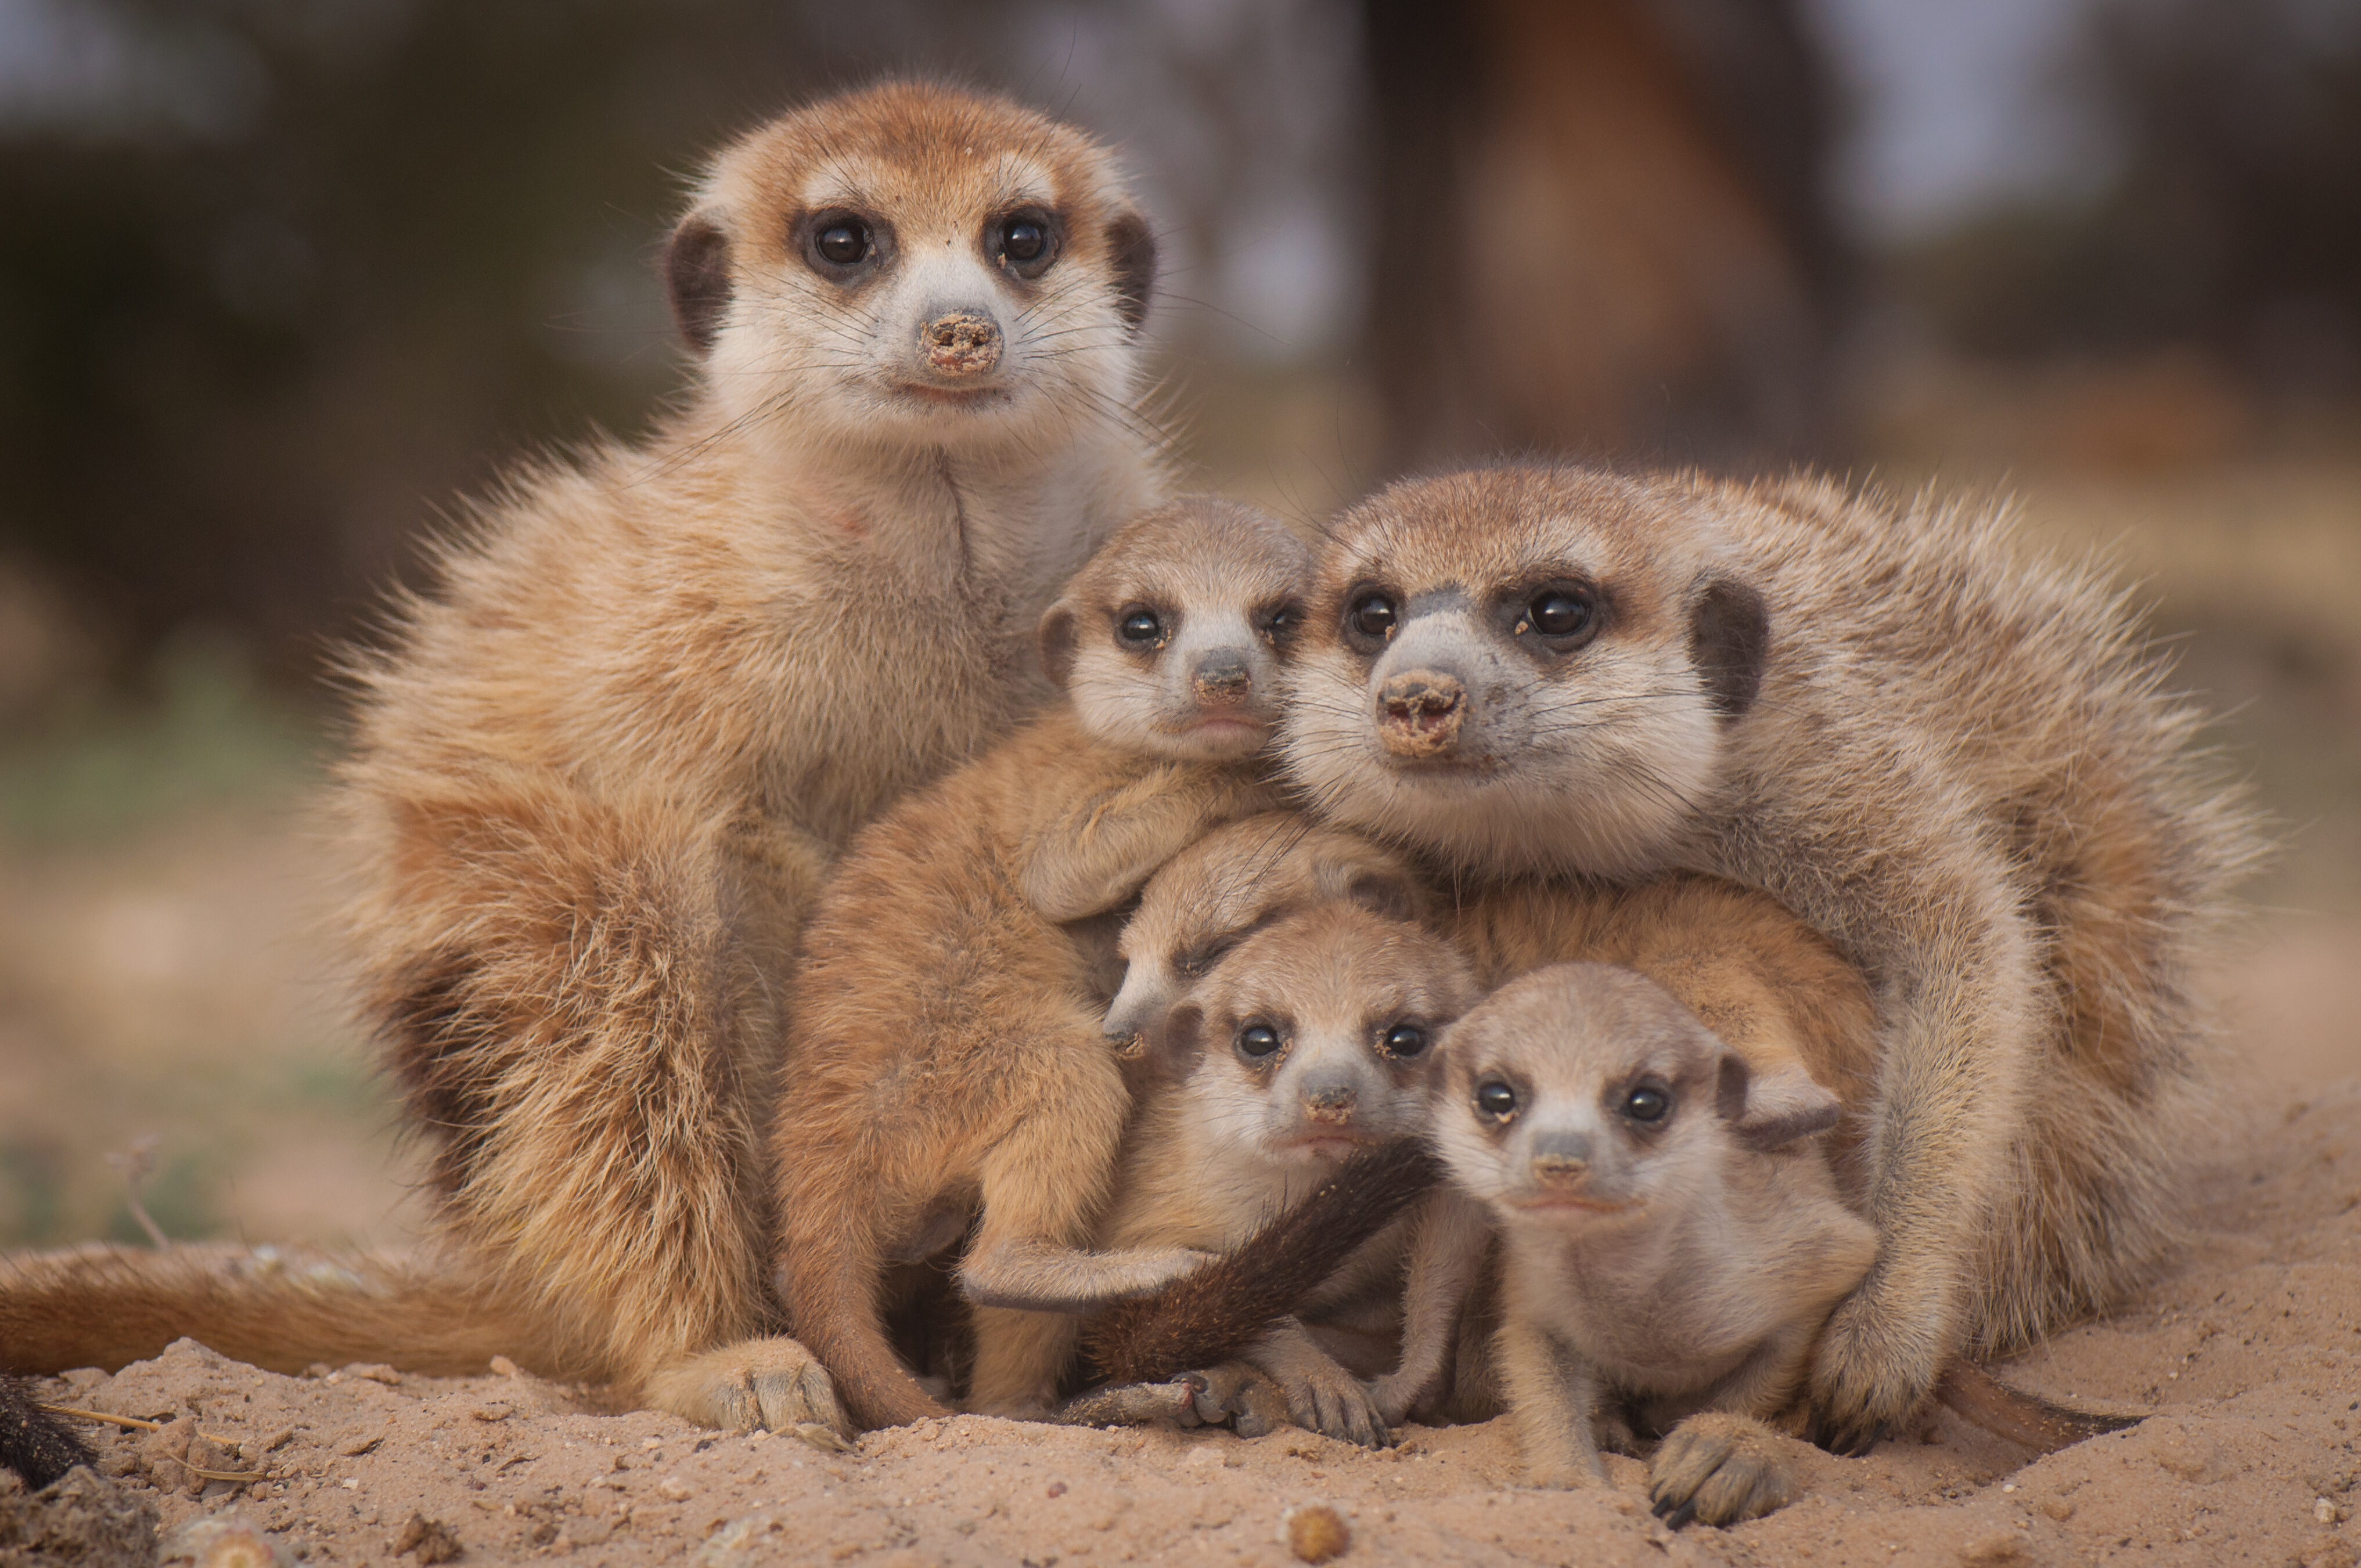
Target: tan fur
(1238,1137)
(598,773)
(947,1051)
(284,1309)
(1952,758)
(1766,983)
(1682,1260)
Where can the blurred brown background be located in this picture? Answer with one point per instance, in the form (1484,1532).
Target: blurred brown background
(281,278)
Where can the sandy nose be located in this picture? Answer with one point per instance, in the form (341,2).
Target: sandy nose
(1329,1101)
(960,343)
(1222,682)
(1420,713)
(1561,1159)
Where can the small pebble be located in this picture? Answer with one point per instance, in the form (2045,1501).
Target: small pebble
(1315,1533)
(2324,1510)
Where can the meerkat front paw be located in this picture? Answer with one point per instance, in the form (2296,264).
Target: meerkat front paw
(1876,1362)
(774,1384)
(1722,1469)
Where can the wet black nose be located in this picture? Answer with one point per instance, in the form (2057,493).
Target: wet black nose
(1222,680)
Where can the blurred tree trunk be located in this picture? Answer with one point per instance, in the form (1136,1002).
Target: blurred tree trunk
(1601,229)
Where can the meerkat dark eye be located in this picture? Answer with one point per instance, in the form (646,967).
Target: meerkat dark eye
(1563,614)
(1256,1041)
(1026,244)
(1281,623)
(1139,627)
(1372,617)
(1404,1041)
(1496,1100)
(843,242)
(1647,1104)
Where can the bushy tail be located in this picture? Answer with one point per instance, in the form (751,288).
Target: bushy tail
(1207,1317)
(106,1307)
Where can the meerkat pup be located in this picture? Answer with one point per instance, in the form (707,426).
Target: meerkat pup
(1229,884)
(948,1056)
(1954,761)
(1670,1239)
(1306,1046)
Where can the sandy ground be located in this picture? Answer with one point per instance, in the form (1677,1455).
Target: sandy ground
(2248,1353)
(165,973)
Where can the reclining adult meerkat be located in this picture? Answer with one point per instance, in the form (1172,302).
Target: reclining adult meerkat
(1671,1243)
(947,1060)
(1956,762)
(599,771)
(1305,1047)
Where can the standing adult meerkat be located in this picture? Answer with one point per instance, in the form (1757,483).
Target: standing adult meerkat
(948,1066)
(598,772)
(1670,1244)
(1954,760)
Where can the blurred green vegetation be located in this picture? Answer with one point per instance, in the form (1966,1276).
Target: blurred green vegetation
(200,731)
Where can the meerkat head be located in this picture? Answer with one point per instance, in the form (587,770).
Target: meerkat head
(1311,1042)
(1523,668)
(1583,1095)
(1169,640)
(1230,884)
(915,265)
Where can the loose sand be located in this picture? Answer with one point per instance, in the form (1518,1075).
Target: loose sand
(2248,1352)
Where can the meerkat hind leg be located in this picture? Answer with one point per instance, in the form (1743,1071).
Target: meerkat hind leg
(1722,1469)
(774,1384)
(1041,1187)
(1320,1395)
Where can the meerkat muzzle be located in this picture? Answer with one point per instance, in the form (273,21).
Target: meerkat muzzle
(1223,683)
(1421,713)
(960,343)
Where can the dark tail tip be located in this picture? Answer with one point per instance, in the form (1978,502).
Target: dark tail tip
(34,1443)
(2043,1425)
(1209,1316)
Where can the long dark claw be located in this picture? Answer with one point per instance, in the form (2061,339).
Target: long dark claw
(1684,1516)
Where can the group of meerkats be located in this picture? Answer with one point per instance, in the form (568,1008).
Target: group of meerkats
(870,864)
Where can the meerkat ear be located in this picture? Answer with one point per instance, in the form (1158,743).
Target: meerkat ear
(1730,637)
(697,277)
(1390,894)
(1057,639)
(1769,1111)
(1176,1039)
(1131,251)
